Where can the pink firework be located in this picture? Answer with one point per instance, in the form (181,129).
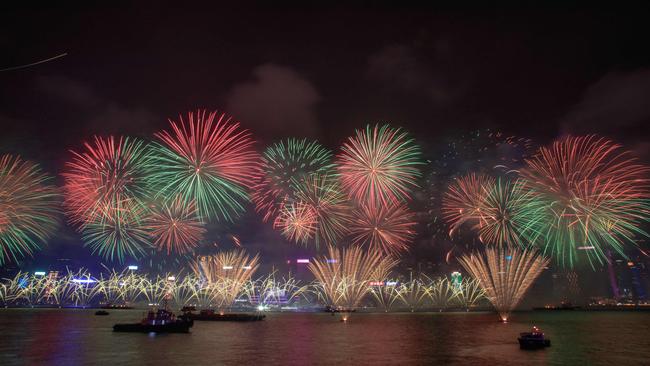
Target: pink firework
(462,203)
(388,229)
(175,227)
(108,172)
(297,222)
(379,165)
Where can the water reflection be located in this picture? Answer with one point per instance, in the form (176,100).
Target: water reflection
(67,337)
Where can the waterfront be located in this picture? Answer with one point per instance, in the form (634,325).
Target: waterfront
(76,337)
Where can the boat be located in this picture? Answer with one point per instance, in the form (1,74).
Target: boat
(533,340)
(160,321)
(562,306)
(338,309)
(101,312)
(211,315)
(116,306)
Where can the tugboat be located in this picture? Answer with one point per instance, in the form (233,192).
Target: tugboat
(101,312)
(211,315)
(533,340)
(161,321)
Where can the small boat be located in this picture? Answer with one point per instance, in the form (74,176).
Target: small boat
(211,315)
(562,306)
(338,309)
(115,306)
(101,312)
(161,321)
(533,340)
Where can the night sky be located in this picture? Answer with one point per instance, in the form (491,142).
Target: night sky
(319,73)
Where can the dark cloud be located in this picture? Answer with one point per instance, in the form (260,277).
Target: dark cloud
(619,100)
(100,114)
(278,102)
(417,70)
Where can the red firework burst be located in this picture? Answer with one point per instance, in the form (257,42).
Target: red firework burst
(175,226)
(463,200)
(297,222)
(595,195)
(109,171)
(385,228)
(379,165)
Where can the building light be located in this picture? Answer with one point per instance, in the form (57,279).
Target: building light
(391,283)
(171,278)
(39,273)
(332,261)
(247,267)
(587,247)
(133,268)
(227,267)
(508,257)
(83,280)
(376,283)
(302,260)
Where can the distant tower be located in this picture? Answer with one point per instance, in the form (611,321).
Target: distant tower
(573,287)
(456,279)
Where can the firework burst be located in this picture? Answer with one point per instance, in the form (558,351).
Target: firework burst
(29,208)
(596,196)
(509,213)
(175,226)
(297,222)
(108,172)
(324,194)
(504,275)
(463,201)
(386,229)
(379,165)
(120,233)
(207,160)
(286,164)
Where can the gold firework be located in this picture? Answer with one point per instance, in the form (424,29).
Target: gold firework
(343,277)
(226,273)
(505,275)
